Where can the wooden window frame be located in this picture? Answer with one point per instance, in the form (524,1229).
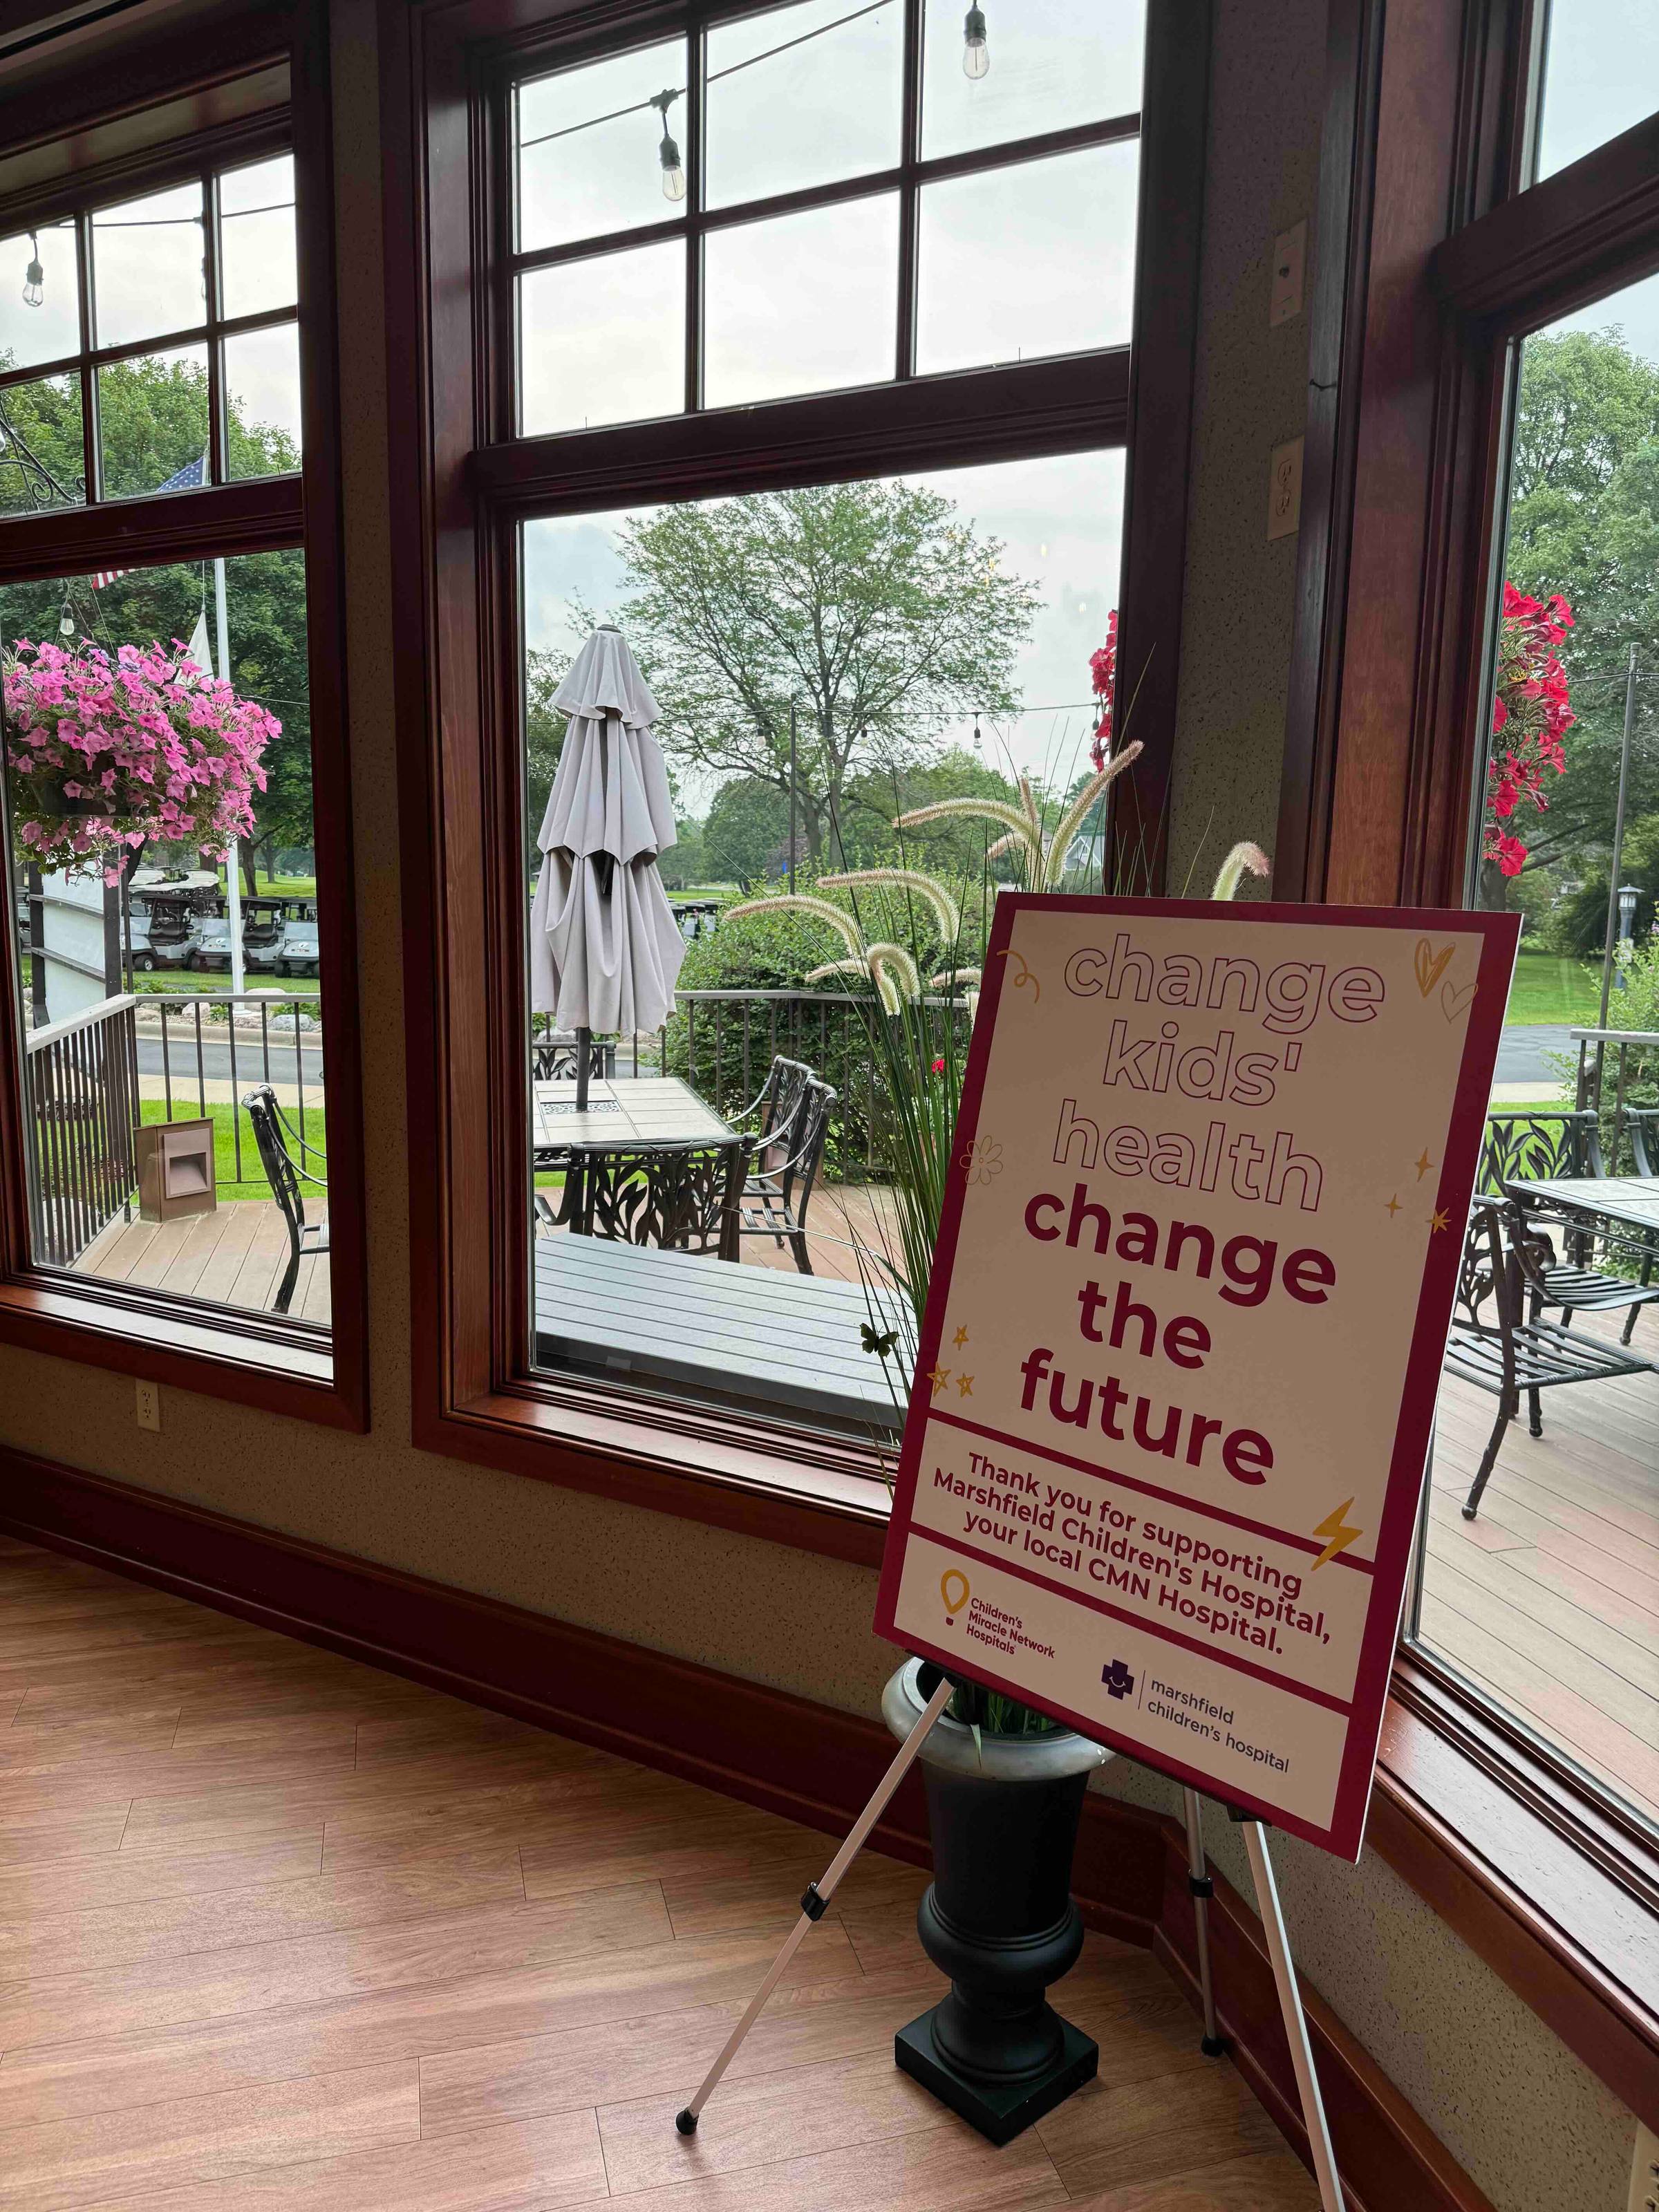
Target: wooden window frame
(1433,260)
(460,499)
(258,85)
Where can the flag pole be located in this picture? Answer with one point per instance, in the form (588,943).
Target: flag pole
(232,860)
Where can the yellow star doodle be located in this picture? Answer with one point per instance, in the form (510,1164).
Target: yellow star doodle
(1394,1206)
(966,1385)
(960,1339)
(939,1376)
(1438,1221)
(1424,1165)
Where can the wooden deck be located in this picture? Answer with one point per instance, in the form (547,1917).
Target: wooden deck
(1550,1600)
(279,1931)
(233,1256)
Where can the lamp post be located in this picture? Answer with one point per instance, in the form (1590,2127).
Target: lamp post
(1628,894)
(1617,862)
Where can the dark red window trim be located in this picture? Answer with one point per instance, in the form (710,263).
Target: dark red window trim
(286,1369)
(1431,257)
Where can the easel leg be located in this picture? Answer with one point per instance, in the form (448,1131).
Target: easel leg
(1296,2022)
(1202,1889)
(818,1894)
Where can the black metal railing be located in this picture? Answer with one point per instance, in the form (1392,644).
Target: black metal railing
(82,1082)
(92,1079)
(722,1043)
(1627,1107)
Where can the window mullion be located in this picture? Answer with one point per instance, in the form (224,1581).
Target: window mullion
(696,77)
(218,442)
(92,459)
(909,210)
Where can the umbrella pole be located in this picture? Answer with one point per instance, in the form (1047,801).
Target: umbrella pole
(584,1055)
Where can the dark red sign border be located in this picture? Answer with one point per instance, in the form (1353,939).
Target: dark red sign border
(1499,934)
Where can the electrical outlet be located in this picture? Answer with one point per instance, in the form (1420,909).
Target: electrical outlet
(1284,489)
(1290,269)
(149,1406)
(1644,2171)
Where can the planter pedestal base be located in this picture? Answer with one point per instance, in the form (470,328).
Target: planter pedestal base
(997,2111)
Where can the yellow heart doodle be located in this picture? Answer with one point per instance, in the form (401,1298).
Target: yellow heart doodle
(1455,1002)
(1430,965)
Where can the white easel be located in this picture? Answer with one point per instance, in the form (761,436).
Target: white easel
(816,1900)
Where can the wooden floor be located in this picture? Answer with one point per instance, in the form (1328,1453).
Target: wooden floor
(235,1256)
(280,1932)
(1550,1598)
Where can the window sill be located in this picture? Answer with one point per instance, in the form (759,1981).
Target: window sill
(252,1358)
(1554,1893)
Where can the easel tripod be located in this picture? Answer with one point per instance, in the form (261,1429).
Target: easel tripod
(816,1901)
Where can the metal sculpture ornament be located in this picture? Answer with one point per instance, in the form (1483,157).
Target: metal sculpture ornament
(1184,1331)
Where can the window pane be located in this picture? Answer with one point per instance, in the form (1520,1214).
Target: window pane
(42,456)
(40,317)
(1049,63)
(1601,74)
(147,266)
(932,634)
(1021,262)
(262,392)
(152,423)
(590,147)
(802,96)
(256,265)
(1545,1598)
(173,1205)
(805,303)
(602,341)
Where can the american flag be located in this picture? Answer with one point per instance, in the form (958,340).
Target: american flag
(191,477)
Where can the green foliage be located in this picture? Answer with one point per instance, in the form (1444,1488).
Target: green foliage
(1584,521)
(1578,923)
(955,850)
(872,607)
(544,740)
(153,418)
(685,863)
(746,835)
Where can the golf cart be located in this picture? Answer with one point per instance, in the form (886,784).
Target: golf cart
(300,953)
(262,935)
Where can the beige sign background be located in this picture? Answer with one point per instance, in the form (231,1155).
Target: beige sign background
(1213,1166)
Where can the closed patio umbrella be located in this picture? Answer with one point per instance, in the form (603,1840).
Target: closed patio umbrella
(604,946)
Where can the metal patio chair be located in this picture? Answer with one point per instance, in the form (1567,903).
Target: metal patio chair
(271,1131)
(1504,1352)
(778,1193)
(555,1057)
(677,1197)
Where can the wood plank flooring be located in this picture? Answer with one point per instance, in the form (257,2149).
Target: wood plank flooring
(1550,1598)
(277,1931)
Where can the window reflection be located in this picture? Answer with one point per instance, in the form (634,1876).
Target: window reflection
(801,96)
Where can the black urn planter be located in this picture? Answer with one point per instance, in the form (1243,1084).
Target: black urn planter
(998,1917)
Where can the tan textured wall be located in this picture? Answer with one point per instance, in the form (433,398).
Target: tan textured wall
(1534,2129)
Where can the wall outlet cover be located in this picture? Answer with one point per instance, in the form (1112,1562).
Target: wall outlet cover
(1284,489)
(148,1408)
(1644,2171)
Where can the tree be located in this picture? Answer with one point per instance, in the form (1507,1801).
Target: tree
(544,740)
(1585,522)
(872,607)
(952,850)
(153,422)
(745,838)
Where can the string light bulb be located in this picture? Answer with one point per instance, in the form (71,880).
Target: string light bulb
(66,620)
(673,170)
(34,276)
(976,54)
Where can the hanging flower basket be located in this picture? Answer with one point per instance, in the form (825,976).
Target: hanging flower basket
(107,753)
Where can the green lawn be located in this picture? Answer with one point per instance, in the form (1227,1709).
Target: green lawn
(1549,988)
(224,1120)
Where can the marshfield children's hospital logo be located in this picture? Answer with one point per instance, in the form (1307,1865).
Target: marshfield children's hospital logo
(1207,1292)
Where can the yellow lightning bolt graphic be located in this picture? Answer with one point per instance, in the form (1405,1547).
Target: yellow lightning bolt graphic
(1334,1528)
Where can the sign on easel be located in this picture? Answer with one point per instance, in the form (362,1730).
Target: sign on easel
(1161,1471)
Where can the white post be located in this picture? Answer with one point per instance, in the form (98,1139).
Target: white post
(233,859)
(1296,2020)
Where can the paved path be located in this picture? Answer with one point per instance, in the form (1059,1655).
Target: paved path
(1521,1050)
